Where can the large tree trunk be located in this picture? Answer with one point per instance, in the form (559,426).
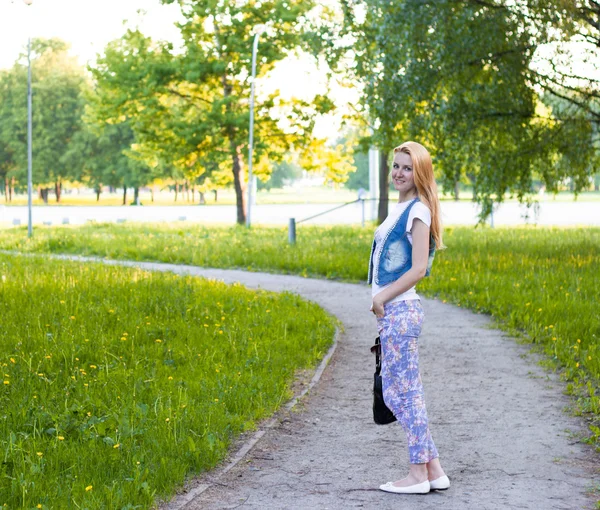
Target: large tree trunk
(136,195)
(456,192)
(152,194)
(193,193)
(11,188)
(236,155)
(384,184)
(238,182)
(58,190)
(6,189)
(201,199)
(176,190)
(43,194)
(98,191)
(215,192)
(124,194)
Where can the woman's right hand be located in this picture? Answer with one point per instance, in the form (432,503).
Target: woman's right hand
(377,309)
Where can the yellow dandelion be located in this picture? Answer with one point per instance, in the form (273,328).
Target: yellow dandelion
(158,340)
(72,317)
(167,419)
(577,365)
(93,366)
(12,360)
(6,382)
(41,375)
(47,356)
(39,505)
(170,378)
(111,311)
(123,338)
(268,311)
(62,302)
(88,488)
(117,445)
(551,326)
(578,341)
(527,304)
(39,454)
(206,325)
(220,332)
(89,413)
(554,339)
(452,279)
(61,438)
(589,358)
(539,309)
(216,399)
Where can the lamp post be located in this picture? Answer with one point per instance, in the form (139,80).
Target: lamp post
(29,136)
(251,136)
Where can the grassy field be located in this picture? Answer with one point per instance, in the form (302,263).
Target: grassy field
(540,283)
(117,382)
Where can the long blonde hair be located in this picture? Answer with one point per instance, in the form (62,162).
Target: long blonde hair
(427,190)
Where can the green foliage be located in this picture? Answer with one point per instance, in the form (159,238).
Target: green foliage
(540,283)
(459,79)
(360,177)
(283,173)
(119,383)
(189,109)
(57,84)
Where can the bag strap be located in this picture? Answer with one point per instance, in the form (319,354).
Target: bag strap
(376,349)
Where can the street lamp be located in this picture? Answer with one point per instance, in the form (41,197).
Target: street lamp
(29,135)
(251,136)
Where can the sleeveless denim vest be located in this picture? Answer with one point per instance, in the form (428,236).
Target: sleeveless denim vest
(395,257)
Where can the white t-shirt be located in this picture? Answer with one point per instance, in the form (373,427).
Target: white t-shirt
(419,210)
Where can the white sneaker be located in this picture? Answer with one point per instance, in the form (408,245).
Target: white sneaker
(419,488)
(439,484)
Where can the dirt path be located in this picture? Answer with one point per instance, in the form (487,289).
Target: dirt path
(496,417)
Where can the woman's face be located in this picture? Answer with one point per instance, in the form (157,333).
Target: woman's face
(402,174)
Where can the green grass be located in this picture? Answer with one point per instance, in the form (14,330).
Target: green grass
(118,382)
(539,283)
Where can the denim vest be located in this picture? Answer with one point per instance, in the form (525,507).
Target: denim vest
(395,257)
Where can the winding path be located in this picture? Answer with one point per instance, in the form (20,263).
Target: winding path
(496,417)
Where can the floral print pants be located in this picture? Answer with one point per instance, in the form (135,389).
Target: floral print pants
(399,331)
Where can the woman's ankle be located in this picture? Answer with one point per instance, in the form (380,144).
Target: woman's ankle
(434,469)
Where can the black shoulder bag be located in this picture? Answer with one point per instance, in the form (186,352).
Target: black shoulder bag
(381,413)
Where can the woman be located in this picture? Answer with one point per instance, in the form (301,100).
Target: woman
(401,255)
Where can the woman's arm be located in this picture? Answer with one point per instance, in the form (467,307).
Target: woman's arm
(420,256)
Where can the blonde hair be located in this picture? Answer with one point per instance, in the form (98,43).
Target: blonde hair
(427,190)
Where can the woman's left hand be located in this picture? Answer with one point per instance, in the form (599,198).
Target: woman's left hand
(377,309)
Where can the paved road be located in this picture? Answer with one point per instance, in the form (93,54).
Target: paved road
(497,419)
(461,213)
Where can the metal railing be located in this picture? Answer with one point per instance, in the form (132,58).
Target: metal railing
(292,223)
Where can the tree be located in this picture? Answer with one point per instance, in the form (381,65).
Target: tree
(191,109)
(458,77)
(57,83)
(283,173)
